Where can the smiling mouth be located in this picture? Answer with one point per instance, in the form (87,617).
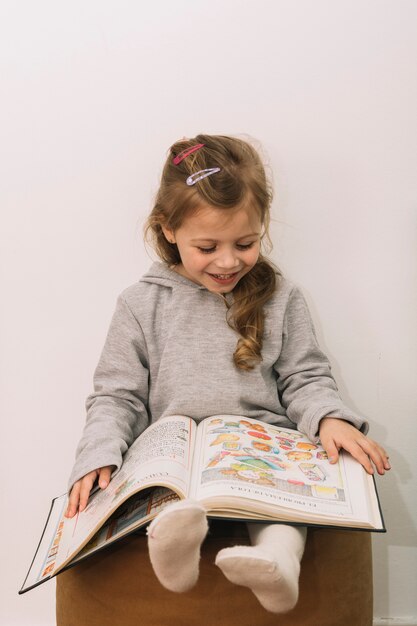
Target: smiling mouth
(224,276)
(225,279)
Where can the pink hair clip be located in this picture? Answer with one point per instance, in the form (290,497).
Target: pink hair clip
(181,156)
(194,178)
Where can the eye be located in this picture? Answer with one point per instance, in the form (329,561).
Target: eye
(244,246)
(207,250)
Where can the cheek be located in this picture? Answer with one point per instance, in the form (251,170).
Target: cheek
(194,259)
(253,256)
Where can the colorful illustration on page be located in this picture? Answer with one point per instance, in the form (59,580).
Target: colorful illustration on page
(49,564)
(263,454)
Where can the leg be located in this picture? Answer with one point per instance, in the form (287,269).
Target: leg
(270,567)
(174,540)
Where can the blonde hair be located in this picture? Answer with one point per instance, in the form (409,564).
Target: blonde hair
(241,182)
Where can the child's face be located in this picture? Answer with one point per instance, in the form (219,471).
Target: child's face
(217,246)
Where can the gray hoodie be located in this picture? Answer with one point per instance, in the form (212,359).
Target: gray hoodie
(169,352)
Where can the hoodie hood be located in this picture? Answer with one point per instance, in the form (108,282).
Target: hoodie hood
(161,274)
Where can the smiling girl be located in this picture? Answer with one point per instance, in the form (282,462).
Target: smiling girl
(214,329)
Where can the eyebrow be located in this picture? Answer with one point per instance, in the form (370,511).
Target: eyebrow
(208,240)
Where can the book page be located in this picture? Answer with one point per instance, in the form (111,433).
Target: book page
(362,492)
(43,564)
(270,464)
(133,513)
(161,456)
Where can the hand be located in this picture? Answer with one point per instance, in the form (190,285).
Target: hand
(336,433)
(81,489)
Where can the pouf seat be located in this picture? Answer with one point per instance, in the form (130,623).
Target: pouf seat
(117,587)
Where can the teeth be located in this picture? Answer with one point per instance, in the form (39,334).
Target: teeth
(223,276)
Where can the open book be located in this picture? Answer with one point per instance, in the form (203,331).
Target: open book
(237,467)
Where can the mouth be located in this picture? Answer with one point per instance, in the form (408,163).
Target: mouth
(224,279)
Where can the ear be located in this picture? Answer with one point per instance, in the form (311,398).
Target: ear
(169,234)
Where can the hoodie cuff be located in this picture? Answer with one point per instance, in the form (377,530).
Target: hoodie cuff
(338,413)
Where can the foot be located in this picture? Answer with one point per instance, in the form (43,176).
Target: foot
(174,540)
(274,583)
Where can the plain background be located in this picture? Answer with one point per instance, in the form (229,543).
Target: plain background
(93,94)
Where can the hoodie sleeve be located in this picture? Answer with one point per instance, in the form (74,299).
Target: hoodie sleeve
(116,411)
(306,386)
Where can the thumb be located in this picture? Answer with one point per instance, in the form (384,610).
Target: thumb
(332,450)
(104,477)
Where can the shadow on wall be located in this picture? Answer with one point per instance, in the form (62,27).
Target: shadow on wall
(401,530)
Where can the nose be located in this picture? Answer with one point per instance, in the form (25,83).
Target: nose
(227,259)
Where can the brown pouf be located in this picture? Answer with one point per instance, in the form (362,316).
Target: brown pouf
(117,587)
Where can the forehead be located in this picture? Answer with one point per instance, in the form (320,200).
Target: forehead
(207,220)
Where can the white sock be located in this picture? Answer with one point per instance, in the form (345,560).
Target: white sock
(174,540)
(270,567)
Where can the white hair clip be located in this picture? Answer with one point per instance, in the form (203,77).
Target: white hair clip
(194,178)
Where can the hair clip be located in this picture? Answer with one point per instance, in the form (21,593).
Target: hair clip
(194,178)
(186,152)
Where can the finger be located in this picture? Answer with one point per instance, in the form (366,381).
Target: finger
(104,477)
(86,485)
(360,455)
(377,455)
(385,458)
(73,500)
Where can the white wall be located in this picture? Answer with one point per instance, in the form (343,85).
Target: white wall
(93,94)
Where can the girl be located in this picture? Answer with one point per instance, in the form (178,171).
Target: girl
(214,329)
